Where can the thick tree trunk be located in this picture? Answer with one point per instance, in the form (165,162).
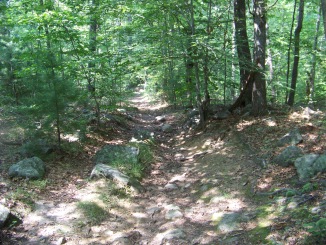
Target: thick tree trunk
(242,44)
(296,54)
(259,104)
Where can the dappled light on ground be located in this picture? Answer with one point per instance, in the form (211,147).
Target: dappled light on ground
(208,186)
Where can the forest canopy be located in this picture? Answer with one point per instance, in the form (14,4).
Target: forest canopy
(62,60)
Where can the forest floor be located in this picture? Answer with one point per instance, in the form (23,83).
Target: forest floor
(211,186)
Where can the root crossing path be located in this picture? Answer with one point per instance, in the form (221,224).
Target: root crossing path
(196,192)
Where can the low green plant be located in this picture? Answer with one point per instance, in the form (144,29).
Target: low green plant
(92,212)
(39,184)
(308,187)
(23,196)
(290,193)
(317,231)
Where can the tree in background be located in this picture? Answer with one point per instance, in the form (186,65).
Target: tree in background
(259,103)
(296,54)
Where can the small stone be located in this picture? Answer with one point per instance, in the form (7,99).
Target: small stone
(316,210)
(174,234)
(292,205)
(4,214)
(167,128)
(61,240)
(170,186)
(173,214)
(160,119)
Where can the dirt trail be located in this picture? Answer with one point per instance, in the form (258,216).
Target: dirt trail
(196,193)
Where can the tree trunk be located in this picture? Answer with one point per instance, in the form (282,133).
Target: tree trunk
(310,86)
(323,9)
(243,50)
(259,104)
(196,66)
(91,64)
(206,71)
(296,54)
(269,62)
(289,52)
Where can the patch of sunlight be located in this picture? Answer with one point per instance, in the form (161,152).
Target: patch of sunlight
(265,221)
(207,143)
(140,215)
(71,137)
(243,124)
(270,122)
(217,217)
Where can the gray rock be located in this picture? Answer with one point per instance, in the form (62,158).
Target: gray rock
(170,186)
(122,180)
(193,113)
(167,128)
(320,164)
(292,138)
(173,214)
(102,170)
(160,119)
(174,234)
(31,168)
(122,241)
(288,156)
(305,166)
(111,154)
(221,115)
(4,214)
(143,135)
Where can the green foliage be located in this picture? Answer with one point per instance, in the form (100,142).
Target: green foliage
(25,197)
(48,60)
(39,184)
(93,213)
(318,232)
(308,187)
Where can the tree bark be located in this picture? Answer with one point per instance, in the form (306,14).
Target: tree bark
(289,52)
(243,50)
(91,64)
(259,103)
(296,54)
(323,9)
(310,86)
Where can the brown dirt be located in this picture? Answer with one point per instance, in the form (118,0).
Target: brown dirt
(210,180)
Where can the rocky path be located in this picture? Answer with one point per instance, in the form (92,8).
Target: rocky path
(196,193)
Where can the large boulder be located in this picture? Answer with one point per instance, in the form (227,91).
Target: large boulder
(292,138)
(306,166)
(31,168)
(288,156)
(4,214)
(117,154)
